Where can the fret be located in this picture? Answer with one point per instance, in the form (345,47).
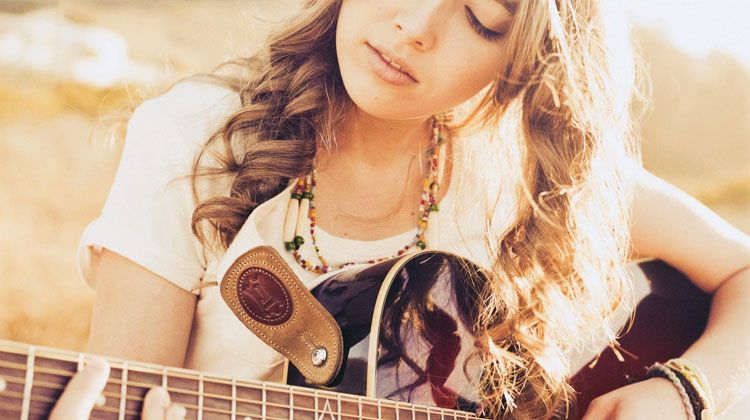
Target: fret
(398,414)
(234,399)
(380,410)
(200,396)
(81,358)
(359,407)
(165,377)
(413,413)
(291,403)
(316,404)
(123,390)
(338,403)
(263,403)
(26,404)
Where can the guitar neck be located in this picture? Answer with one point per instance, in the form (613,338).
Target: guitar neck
(32,378)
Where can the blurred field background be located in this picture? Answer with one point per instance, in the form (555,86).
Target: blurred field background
(63,64)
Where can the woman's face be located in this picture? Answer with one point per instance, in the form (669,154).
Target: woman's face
(450,49)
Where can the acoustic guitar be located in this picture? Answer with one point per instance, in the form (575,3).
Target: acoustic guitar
(407,330)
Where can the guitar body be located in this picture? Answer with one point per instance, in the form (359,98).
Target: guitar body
(407,329)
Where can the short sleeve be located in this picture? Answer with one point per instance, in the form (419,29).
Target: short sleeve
(147,214)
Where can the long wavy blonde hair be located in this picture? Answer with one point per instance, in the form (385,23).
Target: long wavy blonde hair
(558,272)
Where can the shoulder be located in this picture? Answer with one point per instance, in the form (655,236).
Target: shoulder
(191,104)
(172,128)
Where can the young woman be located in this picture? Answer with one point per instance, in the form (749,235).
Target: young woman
(511,117)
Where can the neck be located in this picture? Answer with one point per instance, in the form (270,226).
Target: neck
(32,378)
(378,143)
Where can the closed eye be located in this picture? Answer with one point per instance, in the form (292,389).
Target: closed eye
(482,30)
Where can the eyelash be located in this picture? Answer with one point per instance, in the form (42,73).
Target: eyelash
(479,28)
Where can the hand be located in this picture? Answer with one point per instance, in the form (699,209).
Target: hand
(654,398)
(86,386)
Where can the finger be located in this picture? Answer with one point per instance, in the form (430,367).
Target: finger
(176,412)
(82,391)
(155,404)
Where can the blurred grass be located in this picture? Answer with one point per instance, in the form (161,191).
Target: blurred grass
(54,178)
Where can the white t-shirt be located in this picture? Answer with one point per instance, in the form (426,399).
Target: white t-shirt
(147,215)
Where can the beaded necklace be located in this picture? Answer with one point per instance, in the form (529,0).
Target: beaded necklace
(302,206)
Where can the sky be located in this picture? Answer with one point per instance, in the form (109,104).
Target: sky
(698,26)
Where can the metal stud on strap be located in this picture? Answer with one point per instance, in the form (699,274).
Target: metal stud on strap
(319,356)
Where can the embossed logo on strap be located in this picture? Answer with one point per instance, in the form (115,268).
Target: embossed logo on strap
(263,297)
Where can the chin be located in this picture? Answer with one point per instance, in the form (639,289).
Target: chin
(379,102)
(394,111)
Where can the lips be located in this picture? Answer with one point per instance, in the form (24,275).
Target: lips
(393,63)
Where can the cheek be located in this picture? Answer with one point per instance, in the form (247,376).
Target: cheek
(466,73)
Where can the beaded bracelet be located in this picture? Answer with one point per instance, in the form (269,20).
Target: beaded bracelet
(661,371)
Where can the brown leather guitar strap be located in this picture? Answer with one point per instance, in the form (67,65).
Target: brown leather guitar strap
(265,294)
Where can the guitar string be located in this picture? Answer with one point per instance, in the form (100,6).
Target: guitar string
(34,398)
(116,395)
(286,390)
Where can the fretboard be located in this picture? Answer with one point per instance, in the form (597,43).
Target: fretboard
(32,379)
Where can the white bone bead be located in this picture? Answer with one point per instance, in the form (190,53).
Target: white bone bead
(290,222)
(304,208)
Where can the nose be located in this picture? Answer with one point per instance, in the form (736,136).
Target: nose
(417,22)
